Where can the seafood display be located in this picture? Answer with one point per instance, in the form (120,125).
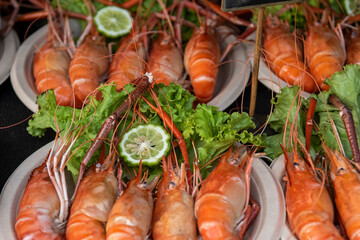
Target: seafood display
(140,153)
(94,211)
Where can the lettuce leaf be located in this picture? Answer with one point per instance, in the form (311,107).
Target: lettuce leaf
(212,131)
(65,119)
(345,85)
(288,111)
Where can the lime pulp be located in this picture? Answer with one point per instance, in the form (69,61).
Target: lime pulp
(113,21)
(351,6)
(147,142)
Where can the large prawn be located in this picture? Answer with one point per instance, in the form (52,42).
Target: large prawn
(51,67)
(39,208)
(89,63)
(308,204)
(222,205)
(202,56)
(93,202)
(165,60)
(128,62)
(43,208)
(324,50)
(130,217)
(284,53)
(173,216)
(344,177)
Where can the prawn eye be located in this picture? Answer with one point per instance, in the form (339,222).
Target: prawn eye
(234,161)
(338,172)
(143,185)
(172,185)
(98,167)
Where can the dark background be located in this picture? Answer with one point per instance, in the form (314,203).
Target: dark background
(16,144)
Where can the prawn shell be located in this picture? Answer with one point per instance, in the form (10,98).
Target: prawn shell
(165,61)
(88,64)
(128,62)
(221,201)
(308,204)
(51,66)
(130,217)
(39,206)
(324,53)
(91,207)
(201,59)
(284,53)
(174,217)
(346,182)
(353,49)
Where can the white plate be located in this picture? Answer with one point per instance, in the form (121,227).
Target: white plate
(8,47)
(264,188)
(266,75)
(232,77)
(278,168)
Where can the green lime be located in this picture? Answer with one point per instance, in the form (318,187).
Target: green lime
(113,21)
(147,142)
(351,6)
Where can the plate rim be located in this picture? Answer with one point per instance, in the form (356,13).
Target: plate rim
(11,44)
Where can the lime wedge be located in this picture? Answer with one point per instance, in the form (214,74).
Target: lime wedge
(147,142)
(113,21)
(351,6)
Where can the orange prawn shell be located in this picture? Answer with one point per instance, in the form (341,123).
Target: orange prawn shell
(51,66)
(201,59)
(130,217)
(173,216)
(91,207)
(324,52)
(90,61)
(39,206)
(128,62)
(284,53)
(346,182)
(353,48)
(165,61)
(308,204)
(221,201)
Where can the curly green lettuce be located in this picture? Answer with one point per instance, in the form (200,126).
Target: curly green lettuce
(211,130)
(345,85)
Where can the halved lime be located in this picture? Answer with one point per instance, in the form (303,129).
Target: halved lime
(351,6)
(148,142)
(113,21)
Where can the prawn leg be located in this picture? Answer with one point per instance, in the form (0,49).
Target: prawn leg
(251,213)
(347,118)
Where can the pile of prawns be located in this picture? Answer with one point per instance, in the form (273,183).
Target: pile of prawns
(100,208)
(315,196)
(324,51)
(75,73)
